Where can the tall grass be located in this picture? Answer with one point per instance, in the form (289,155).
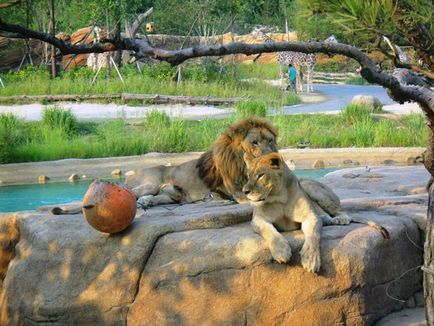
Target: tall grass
(358,80)
(10,135)
(258,70)
(34,141)
(250,108)
(355,113)
(198,80)
(61,119)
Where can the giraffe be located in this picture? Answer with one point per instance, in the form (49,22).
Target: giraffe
(297,59)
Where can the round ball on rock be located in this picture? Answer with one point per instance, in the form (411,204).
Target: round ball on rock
(109,207)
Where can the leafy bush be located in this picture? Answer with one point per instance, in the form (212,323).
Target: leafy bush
(79,73)
(10,136)
(57,118)
(27,73)
(160,71)
(291,99)
(355,113)
(157,120)
(258,70)
(250,108)
(357,81)
(336,63)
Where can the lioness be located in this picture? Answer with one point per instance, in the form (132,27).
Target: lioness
(220,170)
(279,201)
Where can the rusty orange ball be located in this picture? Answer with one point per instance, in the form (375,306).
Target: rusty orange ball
(109,207)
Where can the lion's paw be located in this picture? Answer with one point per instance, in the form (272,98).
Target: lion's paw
(310,257)
(144,201)
(280,250)
(341,219)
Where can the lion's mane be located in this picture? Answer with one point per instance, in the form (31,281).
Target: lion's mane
(222,168)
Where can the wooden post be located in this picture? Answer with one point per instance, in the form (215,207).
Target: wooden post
(52,32)
(108,55)
(428,267)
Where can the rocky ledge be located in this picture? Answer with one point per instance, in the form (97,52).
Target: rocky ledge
(201,264)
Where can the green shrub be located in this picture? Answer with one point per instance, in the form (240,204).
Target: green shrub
(78,73)
(57,118)
(337,64)
(250,108)
(355,113)
(157,120)
(291,99)
(258,70)
(27,73)
(356,81)
(10,136)
(160,71)
(364,132)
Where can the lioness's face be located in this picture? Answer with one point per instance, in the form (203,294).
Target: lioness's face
(264,177)
(259,142)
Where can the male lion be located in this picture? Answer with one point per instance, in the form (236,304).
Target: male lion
(279,201)
(220,170)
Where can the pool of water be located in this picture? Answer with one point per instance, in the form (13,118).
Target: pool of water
(30,197)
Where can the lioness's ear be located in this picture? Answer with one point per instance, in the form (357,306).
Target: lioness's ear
(275,161)
(248,158)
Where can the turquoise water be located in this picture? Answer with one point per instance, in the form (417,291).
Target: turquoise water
(30,197)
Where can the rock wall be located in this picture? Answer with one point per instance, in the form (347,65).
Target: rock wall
(201,264)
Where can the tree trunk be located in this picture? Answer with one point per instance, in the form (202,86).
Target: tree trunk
(428,276)
(53,48)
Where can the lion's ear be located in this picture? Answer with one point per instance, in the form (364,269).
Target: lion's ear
(275,161)
(248,158)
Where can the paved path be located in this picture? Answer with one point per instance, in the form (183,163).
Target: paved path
(339,96)
(336,98)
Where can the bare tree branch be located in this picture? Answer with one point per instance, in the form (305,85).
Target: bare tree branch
(400,90)
(139,21)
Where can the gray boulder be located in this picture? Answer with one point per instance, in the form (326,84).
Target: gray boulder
(369,101)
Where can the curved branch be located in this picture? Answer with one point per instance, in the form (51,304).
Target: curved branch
(16,31)
(399,91)
(139,21)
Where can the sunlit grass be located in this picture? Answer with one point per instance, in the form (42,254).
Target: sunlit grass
(155,80)
(35,141)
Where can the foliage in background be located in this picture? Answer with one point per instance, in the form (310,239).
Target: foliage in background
(10,137)
(169,17)
(363,23)
(57,118)
(250,108)
(198,80)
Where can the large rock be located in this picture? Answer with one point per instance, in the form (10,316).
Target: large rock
(201,264)
(369,101)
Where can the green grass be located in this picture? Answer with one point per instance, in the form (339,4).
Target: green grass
(251,108)
(35,141)
(258,70)
(357,81)
(198,80)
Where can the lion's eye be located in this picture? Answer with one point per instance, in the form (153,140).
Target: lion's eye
(260,176)
(255,142)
